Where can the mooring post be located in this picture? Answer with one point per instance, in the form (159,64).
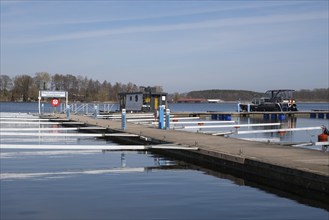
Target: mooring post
(96,111)
(167,118)
(248,110)
(42,109)
(123,119)
(161,116)
(68,111)
(238,106)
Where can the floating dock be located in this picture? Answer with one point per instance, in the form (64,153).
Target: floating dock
(320,114)
(283,165)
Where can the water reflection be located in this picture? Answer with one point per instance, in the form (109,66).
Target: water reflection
(298,194)
(109,175)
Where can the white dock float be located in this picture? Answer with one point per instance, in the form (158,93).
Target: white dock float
(203,122)
(71,123)
(68,134)
(141,120)
(92,128)
(42,122)
(198,122)
(229,126)
(173,147)
(279,130)
(73,147)
(120,135)
(38,129)
(31,122)
(184,118)
(326,143)
(267,131)
(50,134)
(95,147)
(24,119)
(52,129)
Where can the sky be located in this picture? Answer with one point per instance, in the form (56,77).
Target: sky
(179,45)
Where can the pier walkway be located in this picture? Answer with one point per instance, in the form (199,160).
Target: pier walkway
(305,168)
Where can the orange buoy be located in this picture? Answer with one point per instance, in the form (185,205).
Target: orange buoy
(322,137)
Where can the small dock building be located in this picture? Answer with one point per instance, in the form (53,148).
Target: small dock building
(148,99)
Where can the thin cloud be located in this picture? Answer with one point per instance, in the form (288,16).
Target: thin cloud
(218,23)
(72,21)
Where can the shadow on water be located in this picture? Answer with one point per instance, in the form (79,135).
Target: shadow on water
(284,190)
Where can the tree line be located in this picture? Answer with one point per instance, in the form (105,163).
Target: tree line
(314,95)
(26,88)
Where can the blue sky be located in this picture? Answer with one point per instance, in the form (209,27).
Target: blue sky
(179,45)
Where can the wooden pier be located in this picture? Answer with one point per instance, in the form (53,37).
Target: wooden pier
(283,165)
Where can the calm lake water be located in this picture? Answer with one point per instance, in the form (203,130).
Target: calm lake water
(91,184)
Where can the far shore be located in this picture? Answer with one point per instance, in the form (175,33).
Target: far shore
(113,102)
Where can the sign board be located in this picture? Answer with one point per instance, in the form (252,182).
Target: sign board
(55,95)
(55,102)
(52,94)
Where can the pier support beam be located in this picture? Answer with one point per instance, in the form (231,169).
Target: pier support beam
(123,119)
(161,116)
(68,111)
(167,119)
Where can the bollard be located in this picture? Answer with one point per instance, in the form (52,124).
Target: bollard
(123,119)
(96,111)
(239,108)
(282,117)
(266,116)
(167,119)
(273,116)
(213,116)
(248,109)
(68,111)
(161,118)
(227,117)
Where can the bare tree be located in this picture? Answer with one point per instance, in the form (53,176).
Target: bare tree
(42,80)
(6,85)
(22,87)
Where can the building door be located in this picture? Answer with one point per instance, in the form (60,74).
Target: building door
(156,103)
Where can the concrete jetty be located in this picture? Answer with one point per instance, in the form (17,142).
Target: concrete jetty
(286,166)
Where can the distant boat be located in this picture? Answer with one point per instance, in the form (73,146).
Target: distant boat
(214,100)
(273,100)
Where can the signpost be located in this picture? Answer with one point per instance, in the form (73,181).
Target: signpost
(55,95)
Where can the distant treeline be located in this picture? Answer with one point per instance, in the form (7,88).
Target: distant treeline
(225,95)
(315,95)
(26,88)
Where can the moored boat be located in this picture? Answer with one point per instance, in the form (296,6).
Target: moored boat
(273,100)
